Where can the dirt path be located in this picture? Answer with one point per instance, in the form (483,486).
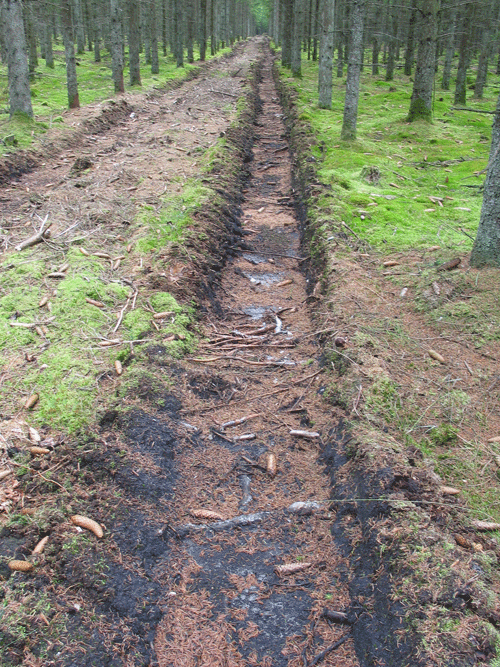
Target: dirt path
(230,603)
(212,474)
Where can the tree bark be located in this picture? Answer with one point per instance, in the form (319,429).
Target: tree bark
(203,30)
(325,65)
(286,43)
(486,249)
(179,32)
(155,62)
(69,52)
(316,30)
(134,40)
(31,39)
(410,41)
(421,99)
(78,21)
(47,28)
(484,51)
(450,49)
(378,21)
(189,29)
(17,62)
(97,31)
(464,57)
(391,49)
(348,132)
(116,42)
(297,16)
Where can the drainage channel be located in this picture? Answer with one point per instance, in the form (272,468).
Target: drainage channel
(254,576)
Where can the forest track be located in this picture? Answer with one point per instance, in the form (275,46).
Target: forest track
(212,474)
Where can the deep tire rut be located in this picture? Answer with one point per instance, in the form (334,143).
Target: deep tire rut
(249,585)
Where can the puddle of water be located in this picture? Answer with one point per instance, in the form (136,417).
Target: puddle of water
(258,312)
(263,278)
(255,259)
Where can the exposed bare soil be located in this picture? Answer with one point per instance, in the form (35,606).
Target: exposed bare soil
(223,479)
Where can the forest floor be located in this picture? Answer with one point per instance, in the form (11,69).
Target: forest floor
(219,395)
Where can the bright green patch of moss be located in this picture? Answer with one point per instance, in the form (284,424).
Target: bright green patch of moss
(421,166)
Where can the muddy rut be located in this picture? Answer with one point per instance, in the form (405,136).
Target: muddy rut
(224,545)
(253,584)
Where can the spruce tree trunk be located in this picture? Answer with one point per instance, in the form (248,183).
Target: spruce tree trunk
(486,250)
(297,15)
(178,32)
(69,52)
(482,72)
(189,30)
(97,31)
(316,30)
(348,132)
(286,44)
(309,28)
(421,99)
(325,65)
(376,43)
(78,24)
(47,28)
(203,30)
(450,49)
(17,61)
(213,35)
(391,39)
(485,48)
(375,54)
(389,71)
(164,30)
(134,41)
(340,61)
(464,57)
(155,62)
(410,43)
(116,43)
(146,29)
(30,31)
(87,23)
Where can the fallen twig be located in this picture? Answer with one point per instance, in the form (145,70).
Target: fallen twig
(310,435)
(122,312)
(43,233)
(242,520)
(237,422)
(250,399)
(321,656)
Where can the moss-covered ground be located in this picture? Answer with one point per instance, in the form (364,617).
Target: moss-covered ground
(400,185)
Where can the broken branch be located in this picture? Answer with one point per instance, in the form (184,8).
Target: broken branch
(43,233)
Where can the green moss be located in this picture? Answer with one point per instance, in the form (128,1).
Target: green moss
(175,219)
(443,435)
(413,158)
(419,111)
(137,324)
